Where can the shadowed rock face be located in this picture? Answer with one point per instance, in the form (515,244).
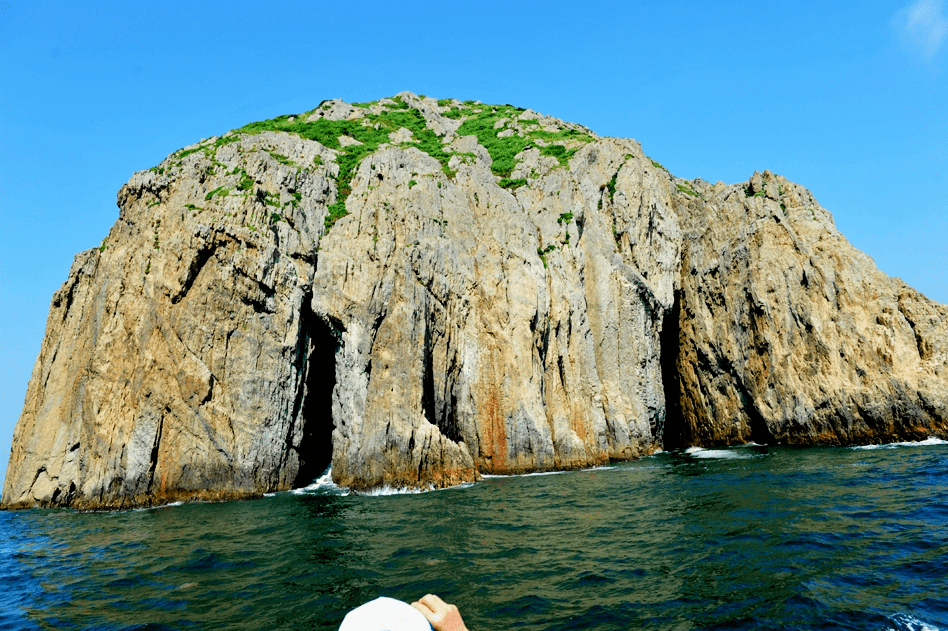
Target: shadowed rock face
(421,291)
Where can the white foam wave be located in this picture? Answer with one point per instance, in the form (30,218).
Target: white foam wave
(922,443)
(144,508)
(394,490)
(723,454)
(322,484)
(905,622)
(600,468)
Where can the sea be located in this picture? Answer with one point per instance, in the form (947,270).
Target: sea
(749,537)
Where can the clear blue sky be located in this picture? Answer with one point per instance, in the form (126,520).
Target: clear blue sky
(847,98)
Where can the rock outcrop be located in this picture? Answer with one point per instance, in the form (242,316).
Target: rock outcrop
(790,335)
(420,291)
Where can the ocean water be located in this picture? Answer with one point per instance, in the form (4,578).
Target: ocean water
(740,538)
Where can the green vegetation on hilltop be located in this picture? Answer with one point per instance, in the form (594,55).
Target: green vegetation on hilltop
(560,152)
(481,122)
(371,130)
(454,113)
(512,184)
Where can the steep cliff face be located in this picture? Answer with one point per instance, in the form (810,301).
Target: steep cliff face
(421,291)
(788,334)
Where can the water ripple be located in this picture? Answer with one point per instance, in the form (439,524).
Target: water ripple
(744,538)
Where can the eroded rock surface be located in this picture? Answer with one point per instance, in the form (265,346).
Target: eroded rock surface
(421,291)
(788,334)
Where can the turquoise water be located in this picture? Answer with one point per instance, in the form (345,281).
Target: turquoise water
(742,538)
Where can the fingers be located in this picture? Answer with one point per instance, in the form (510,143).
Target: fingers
(432,608)
(434,603)
(441,615)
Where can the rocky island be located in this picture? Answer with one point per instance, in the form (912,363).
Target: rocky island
(420,291)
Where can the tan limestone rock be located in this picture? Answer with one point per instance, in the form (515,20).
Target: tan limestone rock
(790,335)
(263,307)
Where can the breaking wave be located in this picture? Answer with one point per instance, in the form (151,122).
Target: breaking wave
(921,443)
(905,622)
(724,454)
(323,485)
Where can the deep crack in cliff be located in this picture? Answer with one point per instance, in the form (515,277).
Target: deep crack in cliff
(315,447)
(673,432)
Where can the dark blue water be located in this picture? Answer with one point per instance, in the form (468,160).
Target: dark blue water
(744,538)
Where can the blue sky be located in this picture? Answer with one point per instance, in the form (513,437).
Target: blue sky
(847,98)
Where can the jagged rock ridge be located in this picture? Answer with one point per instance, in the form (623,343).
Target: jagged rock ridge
(421,291)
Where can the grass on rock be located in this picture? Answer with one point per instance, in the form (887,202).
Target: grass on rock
(373,130)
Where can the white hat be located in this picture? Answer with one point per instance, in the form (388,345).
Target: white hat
(385,614)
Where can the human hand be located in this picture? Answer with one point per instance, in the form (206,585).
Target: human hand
(441,615)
